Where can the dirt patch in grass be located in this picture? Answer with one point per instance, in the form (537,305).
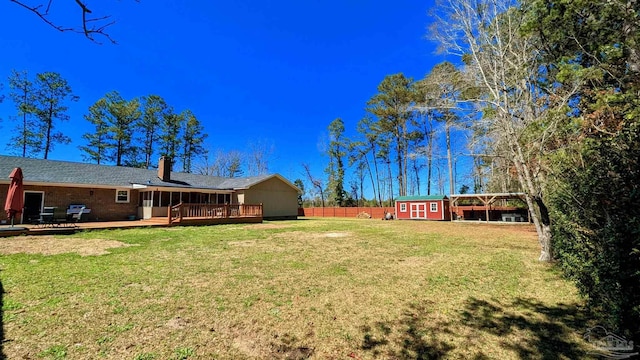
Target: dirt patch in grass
(266,226)
(49,245)
(177,323)
(242,243)
(336,234)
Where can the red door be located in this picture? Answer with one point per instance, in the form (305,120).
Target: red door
(418,211)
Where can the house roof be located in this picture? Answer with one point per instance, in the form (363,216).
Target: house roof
(417,198)
(60,173)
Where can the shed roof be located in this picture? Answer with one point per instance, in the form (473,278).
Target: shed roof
(421,197)
(54,172)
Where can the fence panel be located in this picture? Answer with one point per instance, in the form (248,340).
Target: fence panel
(374,212)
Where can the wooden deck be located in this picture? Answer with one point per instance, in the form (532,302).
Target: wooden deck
(179,215)
(202,214)
(28,229)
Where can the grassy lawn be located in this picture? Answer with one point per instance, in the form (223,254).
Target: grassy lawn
(312,288)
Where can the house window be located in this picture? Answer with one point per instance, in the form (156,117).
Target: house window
(434,207)
(403,207)
(122,196)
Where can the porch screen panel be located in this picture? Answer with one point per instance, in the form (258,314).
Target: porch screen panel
(224,198)
(165,198)
(147,199)
(175,198)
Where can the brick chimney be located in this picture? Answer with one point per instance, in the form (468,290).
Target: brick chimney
(164,168)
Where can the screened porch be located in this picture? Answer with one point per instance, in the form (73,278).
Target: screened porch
(154,203)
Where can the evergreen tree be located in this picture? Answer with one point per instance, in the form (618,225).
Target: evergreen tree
(153,110)
(170,133)
(300,185)
(594,188)
(26,141)
(115,120)
(124,117)
(335,169)
(51,93)
(392,108)
(193,138)
(98,146)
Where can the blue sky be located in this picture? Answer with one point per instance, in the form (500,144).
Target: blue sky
(277,72)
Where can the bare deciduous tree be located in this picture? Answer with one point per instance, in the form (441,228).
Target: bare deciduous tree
(506,66)
(258,157)
(223,164)
(317,183)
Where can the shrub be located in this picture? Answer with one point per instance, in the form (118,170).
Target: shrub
(596,231)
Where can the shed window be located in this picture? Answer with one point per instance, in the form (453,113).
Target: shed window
(434,207)
(403,207)
(122,196)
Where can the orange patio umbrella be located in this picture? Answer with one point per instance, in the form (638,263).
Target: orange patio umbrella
(15,200)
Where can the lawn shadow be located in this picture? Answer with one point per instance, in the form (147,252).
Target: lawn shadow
(524,327)
(412,336)
(552,330)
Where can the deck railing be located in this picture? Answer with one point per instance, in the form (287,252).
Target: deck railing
(186,211)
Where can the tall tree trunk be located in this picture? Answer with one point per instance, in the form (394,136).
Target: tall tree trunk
(400,169)
(375,165)
(429,174)
(537,208)
(24,125)
(449,160)
(147,154)
(416,170)
(405,161)
(373,183)
(428,132)
(390,181)
(49,124)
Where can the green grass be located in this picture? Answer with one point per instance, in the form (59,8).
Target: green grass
(313,288)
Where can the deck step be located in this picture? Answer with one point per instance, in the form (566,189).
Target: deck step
(158,219)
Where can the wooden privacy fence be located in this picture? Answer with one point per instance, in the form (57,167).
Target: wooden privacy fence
(375,212)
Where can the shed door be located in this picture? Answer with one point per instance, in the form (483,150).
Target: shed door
(418,211)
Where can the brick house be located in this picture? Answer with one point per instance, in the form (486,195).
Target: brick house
(118,193)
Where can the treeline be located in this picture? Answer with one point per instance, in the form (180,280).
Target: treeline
(548,91)
(554,86)
(397,150)
(127,132)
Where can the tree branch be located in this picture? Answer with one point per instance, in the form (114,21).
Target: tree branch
(90,28)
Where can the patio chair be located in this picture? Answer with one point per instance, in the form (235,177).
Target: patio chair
(60,217)
(77,217)
(45,219)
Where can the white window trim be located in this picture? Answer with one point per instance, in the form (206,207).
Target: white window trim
(433,207)
(128,196)
(403,207)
